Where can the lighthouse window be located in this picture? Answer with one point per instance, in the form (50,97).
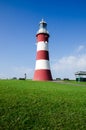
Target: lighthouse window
(41,25)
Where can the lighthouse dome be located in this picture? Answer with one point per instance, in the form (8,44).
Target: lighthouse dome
(42,27)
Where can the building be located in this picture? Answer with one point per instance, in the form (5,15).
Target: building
(81,76)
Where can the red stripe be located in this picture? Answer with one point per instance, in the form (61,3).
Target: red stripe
(42,75)
(42,37)
(42,55)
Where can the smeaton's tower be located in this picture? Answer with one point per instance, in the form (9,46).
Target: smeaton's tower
(42,68)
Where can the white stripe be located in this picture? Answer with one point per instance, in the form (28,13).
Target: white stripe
(42,30)
(42,46)
(42,64)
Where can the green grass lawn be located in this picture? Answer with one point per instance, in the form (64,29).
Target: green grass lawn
(31,105)
(75,82)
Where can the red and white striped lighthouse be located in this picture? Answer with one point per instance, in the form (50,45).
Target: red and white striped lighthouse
(42,68)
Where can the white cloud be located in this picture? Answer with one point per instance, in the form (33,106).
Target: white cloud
(67,66)
(17,72)
(80,48)
(20,71)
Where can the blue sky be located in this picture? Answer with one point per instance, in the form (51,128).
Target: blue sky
(19,21)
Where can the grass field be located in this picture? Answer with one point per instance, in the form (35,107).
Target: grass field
(32,105)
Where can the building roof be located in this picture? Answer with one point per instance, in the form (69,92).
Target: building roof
(80,73)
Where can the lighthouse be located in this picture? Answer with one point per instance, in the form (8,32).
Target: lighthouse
(42,67)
